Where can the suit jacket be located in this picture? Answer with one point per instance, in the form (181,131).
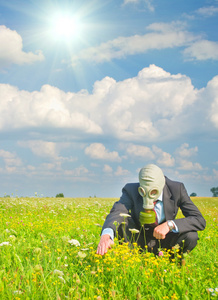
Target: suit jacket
(174,197)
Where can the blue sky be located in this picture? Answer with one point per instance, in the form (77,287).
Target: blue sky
(91,91)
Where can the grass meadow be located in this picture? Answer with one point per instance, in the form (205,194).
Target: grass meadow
(48,251)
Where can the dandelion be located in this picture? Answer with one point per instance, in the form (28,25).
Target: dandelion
(58,272)
(5,244)
(74,242)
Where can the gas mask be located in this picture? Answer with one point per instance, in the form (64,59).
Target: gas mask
(152,181)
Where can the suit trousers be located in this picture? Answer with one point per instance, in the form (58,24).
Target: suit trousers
(187,241)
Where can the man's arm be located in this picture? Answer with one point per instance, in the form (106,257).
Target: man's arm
(109,228)
(193,221)
(122,206)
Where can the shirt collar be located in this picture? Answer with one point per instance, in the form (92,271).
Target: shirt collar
(160,198)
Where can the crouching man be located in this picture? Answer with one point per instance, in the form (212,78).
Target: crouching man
(152,206)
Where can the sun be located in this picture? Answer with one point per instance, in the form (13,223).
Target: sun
(65,26)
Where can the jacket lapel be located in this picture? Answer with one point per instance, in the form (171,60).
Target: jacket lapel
(168,204)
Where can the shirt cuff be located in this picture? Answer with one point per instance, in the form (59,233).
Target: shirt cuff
(108,231)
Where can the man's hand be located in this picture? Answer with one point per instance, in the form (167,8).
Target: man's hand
(160,231)
(104,244)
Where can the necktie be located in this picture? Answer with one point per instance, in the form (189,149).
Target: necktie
(156,222)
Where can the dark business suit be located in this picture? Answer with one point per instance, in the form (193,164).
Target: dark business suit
(174,197)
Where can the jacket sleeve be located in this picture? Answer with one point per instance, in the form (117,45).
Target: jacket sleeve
(123,206)
(193,220)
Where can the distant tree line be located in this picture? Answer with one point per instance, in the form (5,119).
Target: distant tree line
(60,195)
(214,191)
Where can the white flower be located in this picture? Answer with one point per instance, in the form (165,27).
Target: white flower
(5,244)
(62,279)
(12,238)
(125,215)
(59,273)
(74,242)
(18,292)
(133,230)
(211,290)
(81,254)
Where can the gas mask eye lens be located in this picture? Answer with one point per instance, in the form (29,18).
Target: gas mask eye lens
(153,193)
(141,191)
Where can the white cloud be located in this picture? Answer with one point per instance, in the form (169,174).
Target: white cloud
(48,108)
(202,50)
(11,49)
(107,169)
(189,166)
(148,3)
(185,151)
(215,173)
(10,159)
(163,36)
(149,107)
(154,106)
(163,158)
(130,1)
(140,151)
(207,11)
(41,148)
(160,36)
(121,172)
(98,151)
(212,92)
(77,172)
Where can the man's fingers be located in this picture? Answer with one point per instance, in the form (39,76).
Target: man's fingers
(104,244)
(159,236)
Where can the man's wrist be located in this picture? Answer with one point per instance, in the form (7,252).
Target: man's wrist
(108,231)
(171,225)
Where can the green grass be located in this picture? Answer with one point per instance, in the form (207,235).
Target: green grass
(40,263)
